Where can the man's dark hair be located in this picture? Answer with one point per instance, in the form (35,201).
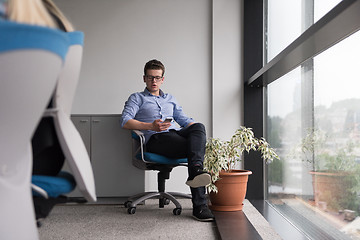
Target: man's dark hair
(154,64)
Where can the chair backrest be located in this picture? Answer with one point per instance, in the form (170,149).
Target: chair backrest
(28,76)
(69,77)
(31,59)
(69,138)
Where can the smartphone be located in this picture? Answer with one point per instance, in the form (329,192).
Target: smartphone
(168,119)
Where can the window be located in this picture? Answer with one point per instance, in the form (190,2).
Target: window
(292,18)
(313,121)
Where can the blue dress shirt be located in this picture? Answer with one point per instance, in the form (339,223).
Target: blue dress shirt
(145,107)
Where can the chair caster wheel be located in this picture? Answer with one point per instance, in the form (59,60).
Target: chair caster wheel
(131,210)
(177,211)
(163,202)
(127,204)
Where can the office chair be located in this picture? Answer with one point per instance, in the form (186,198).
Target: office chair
(49,191)
(31,58)
(151,161)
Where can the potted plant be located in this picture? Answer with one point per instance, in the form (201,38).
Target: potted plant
(221,160)
(335,172)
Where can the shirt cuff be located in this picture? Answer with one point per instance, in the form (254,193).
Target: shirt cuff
(124,120)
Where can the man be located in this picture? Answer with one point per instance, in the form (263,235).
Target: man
(147,111)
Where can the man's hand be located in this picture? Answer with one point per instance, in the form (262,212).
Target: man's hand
(158,125)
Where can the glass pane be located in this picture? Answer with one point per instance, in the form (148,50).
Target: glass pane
(337,124)
(278,11)
(314,124)
(287,20)
(284,130)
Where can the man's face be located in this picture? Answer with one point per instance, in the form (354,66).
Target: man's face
(153,80)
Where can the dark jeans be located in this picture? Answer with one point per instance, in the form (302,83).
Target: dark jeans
(189,142)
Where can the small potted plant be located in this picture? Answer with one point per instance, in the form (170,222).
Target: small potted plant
(221,159)
(335,171)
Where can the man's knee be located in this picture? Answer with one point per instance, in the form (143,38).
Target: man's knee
(198,127)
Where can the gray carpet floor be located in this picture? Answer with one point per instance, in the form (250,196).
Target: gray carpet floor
(111,221)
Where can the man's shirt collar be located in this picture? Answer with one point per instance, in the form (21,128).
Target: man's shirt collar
(161,93)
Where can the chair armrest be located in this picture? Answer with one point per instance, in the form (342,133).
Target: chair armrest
(140,135)
(138,147)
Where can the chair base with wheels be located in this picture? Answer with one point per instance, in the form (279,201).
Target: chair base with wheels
(151,161)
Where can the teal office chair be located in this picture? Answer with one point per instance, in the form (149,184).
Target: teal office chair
(31,59)
(151,161)
(50,190)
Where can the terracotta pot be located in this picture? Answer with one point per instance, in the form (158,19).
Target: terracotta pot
(231,191)
(330,189)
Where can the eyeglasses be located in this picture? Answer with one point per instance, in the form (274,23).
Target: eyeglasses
(150,78)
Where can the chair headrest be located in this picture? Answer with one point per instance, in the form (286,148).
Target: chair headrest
(76,38)
(25,36)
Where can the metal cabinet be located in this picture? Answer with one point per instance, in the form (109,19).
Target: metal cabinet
(109,148)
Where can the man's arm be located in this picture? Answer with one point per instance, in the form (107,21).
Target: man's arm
(158,125)
(179,116)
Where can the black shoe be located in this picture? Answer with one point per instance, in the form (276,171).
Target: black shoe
(198,178)
(203,214)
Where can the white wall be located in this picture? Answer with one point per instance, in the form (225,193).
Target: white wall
(198,41)
(227,87)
